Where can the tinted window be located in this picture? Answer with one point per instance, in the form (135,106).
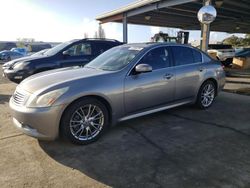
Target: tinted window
(80,49)
(206,58)
(102,47)
(182,55)
(197,56)
(157,58)
(56,49)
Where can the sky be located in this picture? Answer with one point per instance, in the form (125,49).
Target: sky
(63,20)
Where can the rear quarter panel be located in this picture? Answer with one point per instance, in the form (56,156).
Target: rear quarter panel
(214,71)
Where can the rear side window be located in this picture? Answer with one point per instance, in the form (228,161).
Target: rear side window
(101,47)
(182,55)
(197,56)
(206,58)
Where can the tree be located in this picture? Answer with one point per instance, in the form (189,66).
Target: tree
(237,41)
(100,33)
(85,35)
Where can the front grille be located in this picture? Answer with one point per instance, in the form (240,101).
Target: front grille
(18,98)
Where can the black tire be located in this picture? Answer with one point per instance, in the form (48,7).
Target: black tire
(8,58)
(67,131)
(199,101)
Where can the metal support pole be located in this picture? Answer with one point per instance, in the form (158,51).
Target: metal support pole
(125,29)
(205,31)
(205,37)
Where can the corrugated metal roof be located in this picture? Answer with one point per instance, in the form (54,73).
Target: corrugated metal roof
(233,16)
(131,6)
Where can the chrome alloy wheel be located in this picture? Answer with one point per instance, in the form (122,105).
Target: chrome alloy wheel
(207,95)
(86,122)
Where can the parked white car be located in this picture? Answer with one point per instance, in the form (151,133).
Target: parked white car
(224,53)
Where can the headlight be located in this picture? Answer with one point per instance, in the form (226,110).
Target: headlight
(20,65)
(46,99)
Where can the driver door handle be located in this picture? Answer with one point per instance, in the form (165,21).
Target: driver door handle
(168,76)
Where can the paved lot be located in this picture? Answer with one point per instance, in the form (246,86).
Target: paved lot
(182,147)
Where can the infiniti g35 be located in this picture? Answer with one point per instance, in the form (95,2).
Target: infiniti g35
(125,82)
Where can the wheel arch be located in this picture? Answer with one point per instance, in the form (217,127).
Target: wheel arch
(99,98)
(212,80)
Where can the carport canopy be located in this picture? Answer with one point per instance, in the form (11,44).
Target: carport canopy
(232,16)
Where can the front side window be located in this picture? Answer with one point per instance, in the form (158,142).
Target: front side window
(182,55)
(80,49)
(56,49)
(157,58)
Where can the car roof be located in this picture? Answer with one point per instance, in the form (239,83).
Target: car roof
(95,39)
(154,44)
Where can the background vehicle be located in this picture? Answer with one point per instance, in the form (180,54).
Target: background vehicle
(181,38)
(225,53)
(245,52)
(20,50)
(125,82)
(9,55)
(72,53)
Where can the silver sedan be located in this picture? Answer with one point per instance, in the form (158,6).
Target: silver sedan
(125,82)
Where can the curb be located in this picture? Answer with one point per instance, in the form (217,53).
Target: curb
(239,75)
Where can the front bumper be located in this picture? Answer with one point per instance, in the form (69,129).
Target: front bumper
(41,123)
(14,75)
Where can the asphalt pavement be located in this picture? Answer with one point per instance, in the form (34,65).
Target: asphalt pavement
(181,147)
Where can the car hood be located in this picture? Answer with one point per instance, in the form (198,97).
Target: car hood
(28,58)
(44,80)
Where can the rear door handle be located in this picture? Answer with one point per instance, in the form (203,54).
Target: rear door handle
(168,76)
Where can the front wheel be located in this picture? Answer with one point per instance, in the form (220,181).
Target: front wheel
(206,95)
(84,121)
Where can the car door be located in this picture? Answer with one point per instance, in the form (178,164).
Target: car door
(189,71)
(77,54)
(150,89)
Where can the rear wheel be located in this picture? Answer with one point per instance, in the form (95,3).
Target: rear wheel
(206,95)
(84,121)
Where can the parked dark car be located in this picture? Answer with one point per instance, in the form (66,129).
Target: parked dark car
(71,53)
(7,55)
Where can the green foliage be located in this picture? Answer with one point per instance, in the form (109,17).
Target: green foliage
(237,41)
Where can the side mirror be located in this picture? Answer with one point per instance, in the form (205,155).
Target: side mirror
(66,53)
(142,68)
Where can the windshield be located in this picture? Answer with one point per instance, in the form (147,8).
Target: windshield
(114,59)
(57,48)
